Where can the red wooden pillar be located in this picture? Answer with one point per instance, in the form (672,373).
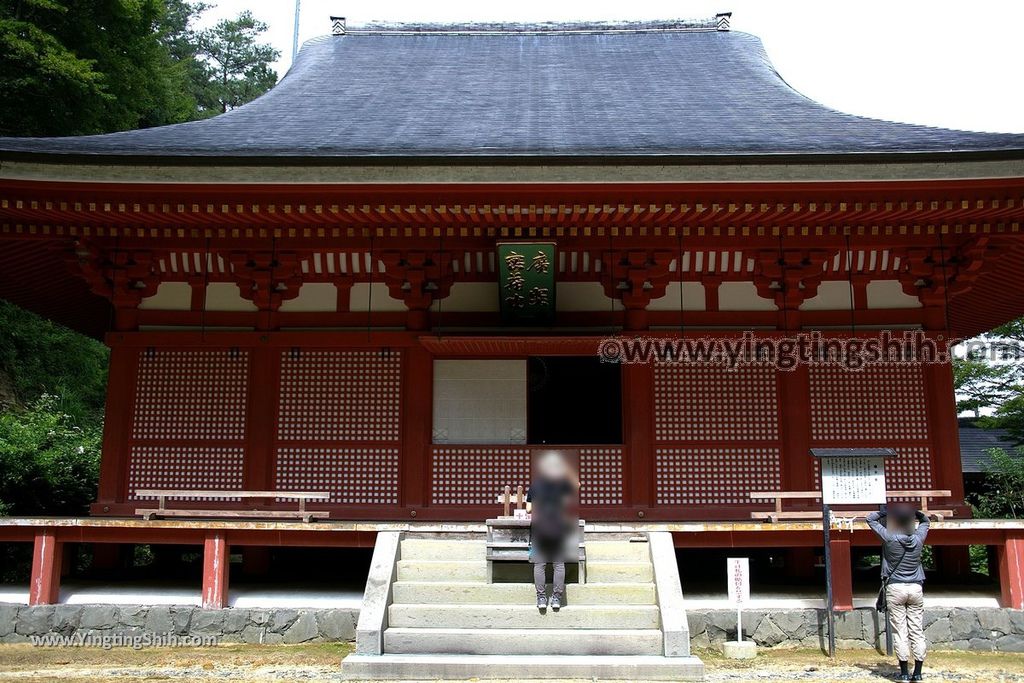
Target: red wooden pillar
(117,423)
(417,426)
(638,433)
(1011,571)
(258,472)
(47,554)
(216,562)
(794,398)
(842,573)
(944,430)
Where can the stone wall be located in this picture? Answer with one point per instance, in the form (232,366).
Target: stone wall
(946,628)
(271,626)
(959,629)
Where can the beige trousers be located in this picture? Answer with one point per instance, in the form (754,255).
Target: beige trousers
(906,614)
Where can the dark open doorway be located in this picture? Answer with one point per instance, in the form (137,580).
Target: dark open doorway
(574,400)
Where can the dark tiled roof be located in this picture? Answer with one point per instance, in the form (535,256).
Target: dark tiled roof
(521,91)
(975,443)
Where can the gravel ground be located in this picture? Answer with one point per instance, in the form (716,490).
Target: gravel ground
(285,664)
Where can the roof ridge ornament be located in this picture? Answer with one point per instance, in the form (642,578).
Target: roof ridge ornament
(338,27)
(723,19)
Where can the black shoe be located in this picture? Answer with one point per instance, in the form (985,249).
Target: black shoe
(903,677)
(556,602)
(917,677)
(542,602)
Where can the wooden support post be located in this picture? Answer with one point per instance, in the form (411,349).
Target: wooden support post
(794,403)
(638,433)
(800,562)
(1011,571)
(953,562)
(255,560)
(47,554)
(106,556)
(417,424)
(944,430)
(258,470)
(216,563)
(842,574)
(121,379)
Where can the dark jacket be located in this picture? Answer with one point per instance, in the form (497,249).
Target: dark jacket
(897,545)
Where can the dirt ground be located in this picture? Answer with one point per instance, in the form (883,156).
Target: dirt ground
(319,662)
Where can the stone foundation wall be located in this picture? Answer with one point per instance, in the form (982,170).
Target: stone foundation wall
(945,628)
(18,623)
(958,629)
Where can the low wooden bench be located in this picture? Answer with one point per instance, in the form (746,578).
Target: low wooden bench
(163,511)
(778,514)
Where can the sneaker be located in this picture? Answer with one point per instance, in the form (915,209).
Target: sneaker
(903,677)
(556,602)
(542,602)
(917,677)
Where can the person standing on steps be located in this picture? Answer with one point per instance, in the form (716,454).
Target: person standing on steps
(903,529)
(552,532)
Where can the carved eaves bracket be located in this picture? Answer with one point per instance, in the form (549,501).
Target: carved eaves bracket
(417,278)
(636,277)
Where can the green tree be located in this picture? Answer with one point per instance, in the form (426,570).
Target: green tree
(39,357)
(1003,495)
(48,464)
(238,65)
(73,67)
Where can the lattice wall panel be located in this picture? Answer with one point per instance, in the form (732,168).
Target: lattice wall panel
(354,476)
(600,476)
(712,403)
(881,403)
(185,467)
(476,475)
(911,469)
(194,395)
(714,475)
(340,396)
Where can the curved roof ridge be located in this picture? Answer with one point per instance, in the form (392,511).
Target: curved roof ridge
(657,94)
(540,27)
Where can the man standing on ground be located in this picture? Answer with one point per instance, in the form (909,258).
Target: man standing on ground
(903,574)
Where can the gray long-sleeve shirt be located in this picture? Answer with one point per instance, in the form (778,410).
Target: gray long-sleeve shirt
(897,545)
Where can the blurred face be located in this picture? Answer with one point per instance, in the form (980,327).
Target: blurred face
(552,466)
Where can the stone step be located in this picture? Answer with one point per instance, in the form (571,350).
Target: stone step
(622,551)
(523,641)
(432,592)
(523,616)
(443,570)
(519,667)
(440,549)
(606,571)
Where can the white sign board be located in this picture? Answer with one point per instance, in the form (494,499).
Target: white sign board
(739,580)
(852,481)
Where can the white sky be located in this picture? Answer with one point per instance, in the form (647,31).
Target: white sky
(938,62)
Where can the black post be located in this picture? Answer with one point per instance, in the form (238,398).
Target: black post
(830,621)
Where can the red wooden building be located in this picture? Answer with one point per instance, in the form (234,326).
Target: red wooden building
(305,293)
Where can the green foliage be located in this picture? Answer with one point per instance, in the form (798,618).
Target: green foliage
(979,384)
(48,465)
(72,67)
(1003,495)
(41,357)
(237,64)
(979,559)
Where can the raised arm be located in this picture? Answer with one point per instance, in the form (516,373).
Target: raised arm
(922,526)
(876,520)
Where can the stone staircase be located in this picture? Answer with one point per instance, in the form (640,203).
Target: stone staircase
(443,620)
